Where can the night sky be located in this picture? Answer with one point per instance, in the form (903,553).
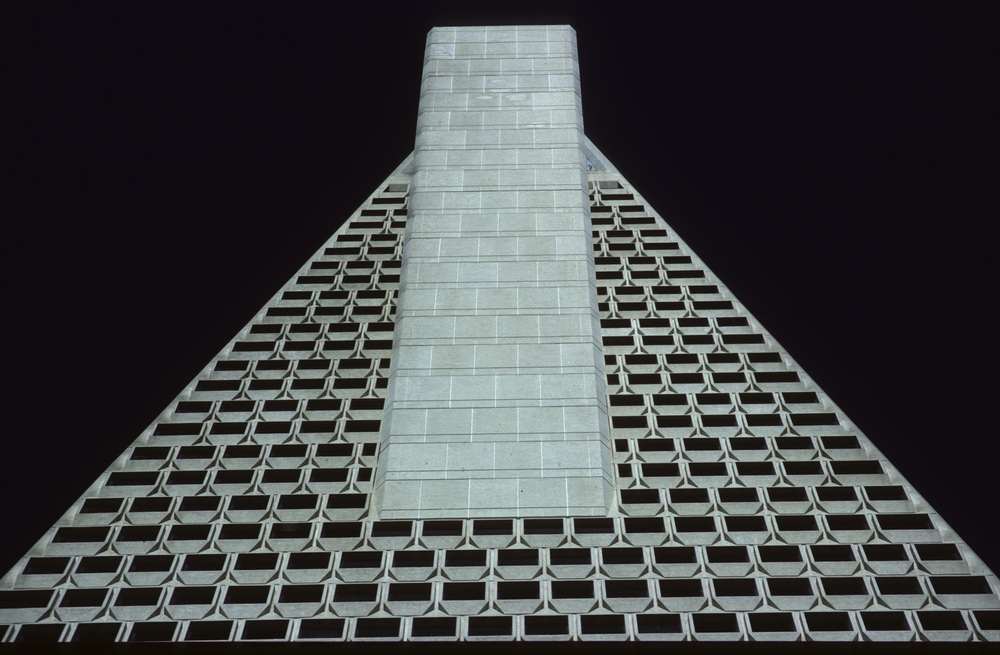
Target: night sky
(170,170)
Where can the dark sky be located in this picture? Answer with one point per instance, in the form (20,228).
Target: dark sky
(171,169)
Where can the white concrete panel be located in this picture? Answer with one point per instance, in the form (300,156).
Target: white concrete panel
(499,342)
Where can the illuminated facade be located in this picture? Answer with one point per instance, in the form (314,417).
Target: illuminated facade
(503,402)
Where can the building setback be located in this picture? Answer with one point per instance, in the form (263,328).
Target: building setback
(503,402)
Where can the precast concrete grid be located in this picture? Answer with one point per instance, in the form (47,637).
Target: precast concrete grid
(503,402)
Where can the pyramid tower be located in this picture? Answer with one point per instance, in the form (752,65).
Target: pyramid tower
(503,402)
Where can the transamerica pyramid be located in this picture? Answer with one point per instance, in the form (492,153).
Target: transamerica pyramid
(503,402)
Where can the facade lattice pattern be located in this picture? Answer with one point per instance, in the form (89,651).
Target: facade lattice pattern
(746,505)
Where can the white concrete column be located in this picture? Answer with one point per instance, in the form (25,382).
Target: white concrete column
(496,400)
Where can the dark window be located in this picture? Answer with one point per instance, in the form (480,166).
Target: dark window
(794,443)
(715,623)
(139,597)
(787,494)
(702,444)
(377,628)
(192,596)
(301,594)
(269,629)
(973,584)
(95,632)
(828,621)
(886,493)
(640,496)
(355,593)
(865,467)
(660,470)
(151,563)
(796,523)
(186,477)
(938,552)
(298,501)
(885,621)
(84,598)
(546,625)
(544,526)
(901,585)
(675,555)
(208,631)
(814,419)
(25,599)
(644,525)
(439,626)
(321,629)
(309,560)
(840,443)
(463,591)
(233,477)
(611,624)
(720,554)
(341,530)
(464,558)
(46,565)
(622,556)
(905,521)
(328,475)
(517,590)
(848,522)
(694,524)
(779,553)
(98,564)
(735,587)
(755,468)
(772,622)
(205,562)
(346,501)
(942,620)
(651,445)
(803,468)
(153,631)
(200,504)
(831,494)
(738,495)
(240,531)
(245,503)
(256,561)
(885,553)
(689,496)
(490,626)
(844,586)
(593,526)
(442,528)
(681,588)
(762,420)
(569,556)
(831,553)
(134,478)
(360,560)
(789,587)
(413,558)
(150,453)
(626,589)
(519,557)
(139,533)
(658,623)
(708,469)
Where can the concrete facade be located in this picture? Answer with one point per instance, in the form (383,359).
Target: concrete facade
(495,404)
(745,505)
